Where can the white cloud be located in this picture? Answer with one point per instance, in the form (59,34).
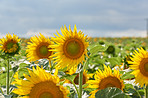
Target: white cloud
(91,33)
(45,32)
(125,33)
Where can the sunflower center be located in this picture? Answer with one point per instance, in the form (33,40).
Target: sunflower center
(47,89)
(110,49)
(144,67)
(42,50)
(11,47)
(110,82)
(110,85)
(46,95)
(73,48)
(76,80)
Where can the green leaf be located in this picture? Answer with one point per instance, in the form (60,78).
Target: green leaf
(110,93)
(3,78)
(96,48)
(99,61)
(89,89)
(15,68)
(22,71)
(114,61)
(23,65)
(127,86)
(127,75)
(70,77)
(8,96)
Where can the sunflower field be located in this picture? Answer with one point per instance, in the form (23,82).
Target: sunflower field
(73,65)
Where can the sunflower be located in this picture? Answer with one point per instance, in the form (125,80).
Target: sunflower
(76,79)
(40,84)
(38,48)
(111,49)
(10,44)
(139,64)
(104,79)
(101,42)
(126,60)
(70,49)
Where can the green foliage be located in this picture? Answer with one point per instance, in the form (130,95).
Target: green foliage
(110,93)
(127,75)
(95,48)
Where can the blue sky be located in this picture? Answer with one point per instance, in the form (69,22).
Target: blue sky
(96,18)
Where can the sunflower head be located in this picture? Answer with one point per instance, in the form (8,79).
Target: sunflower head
(40,84)
(10,44)
(101,42)
(110,49)
(86,76)
(139,64)
(104,79)
(127,59)
(70,49)
(120,46)
(38,48)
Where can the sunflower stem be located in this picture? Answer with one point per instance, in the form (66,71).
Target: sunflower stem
(49,67)
(1,90)
(146,91)
(7,81)
(80,83)
(75,88)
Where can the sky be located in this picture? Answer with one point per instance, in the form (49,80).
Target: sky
(95,18)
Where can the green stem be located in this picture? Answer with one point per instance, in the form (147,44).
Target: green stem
(75,88)
(50,66)
(146,91)
(1,90)
(80,83)
(7,82)
(138,93)
(81,79)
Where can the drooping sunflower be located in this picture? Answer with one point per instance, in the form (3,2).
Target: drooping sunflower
(70,49)
(111,49)
(104,79)
(126,60)
(139,64)
(10,44)
(38,48)
(39,84)
(86,76)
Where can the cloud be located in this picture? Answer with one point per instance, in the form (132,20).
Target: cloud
(98,16)
(125,33)
(45,32)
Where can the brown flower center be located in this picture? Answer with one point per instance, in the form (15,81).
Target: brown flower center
(110,82)
(73,48)
(76,80)
(144,67)
(42,50)
(47,89)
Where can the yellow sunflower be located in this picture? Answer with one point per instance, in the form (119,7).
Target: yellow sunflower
(38,48)
(140,66)
(40,84)
(70,49)
(104,79)
(10,44)
(76,79)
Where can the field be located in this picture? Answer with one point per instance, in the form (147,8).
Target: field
(112,52)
